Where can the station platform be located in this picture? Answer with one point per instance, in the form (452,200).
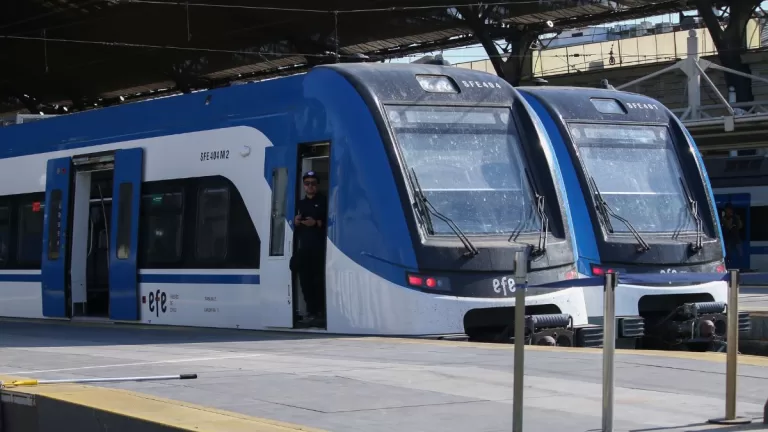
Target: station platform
(270,381)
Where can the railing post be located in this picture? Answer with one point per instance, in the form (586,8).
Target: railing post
(521,282)
(732,360)
(609,348)
(765,413)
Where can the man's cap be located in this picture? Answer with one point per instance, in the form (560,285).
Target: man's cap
(309,174)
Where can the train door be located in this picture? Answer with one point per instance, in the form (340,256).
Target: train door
(276,273)
(737,257)
(55,262)
(124,236)
(89,266)
(312,157)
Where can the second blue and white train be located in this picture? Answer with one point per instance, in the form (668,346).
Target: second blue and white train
(179,211)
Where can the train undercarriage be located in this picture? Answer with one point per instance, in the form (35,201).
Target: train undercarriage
(691,326)
(544,325)
(695,326)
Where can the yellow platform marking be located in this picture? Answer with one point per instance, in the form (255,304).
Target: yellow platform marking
(173,414)
(757,311)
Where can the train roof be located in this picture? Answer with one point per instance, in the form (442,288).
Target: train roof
(166,115)
(586,103)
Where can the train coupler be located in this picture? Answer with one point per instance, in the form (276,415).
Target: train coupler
(701,326)
(549,330)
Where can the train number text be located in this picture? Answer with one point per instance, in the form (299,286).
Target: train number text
(214,155)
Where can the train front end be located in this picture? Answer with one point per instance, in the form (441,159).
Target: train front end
(477,182)
(641,204)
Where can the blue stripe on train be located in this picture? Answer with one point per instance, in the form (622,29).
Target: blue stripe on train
(20,277)
(222,279)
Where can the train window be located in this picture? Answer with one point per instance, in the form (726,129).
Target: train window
(636,170)
(758,225)
(30,240)
(54,225)
(469,163)
(5,232)
(277,225)
(608,106)
(125,195)
(212,224)
(162,227)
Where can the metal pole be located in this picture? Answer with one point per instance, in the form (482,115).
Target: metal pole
(609,348)
(765,413)
(732,359)
(521,281)
(33,382)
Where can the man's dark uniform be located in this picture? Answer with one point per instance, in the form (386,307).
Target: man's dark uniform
(311,253)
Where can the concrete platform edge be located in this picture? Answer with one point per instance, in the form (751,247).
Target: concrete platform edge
(85,408)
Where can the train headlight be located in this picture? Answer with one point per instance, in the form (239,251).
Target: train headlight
(437,84)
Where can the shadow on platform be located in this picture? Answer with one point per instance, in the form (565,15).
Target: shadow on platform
(15,333)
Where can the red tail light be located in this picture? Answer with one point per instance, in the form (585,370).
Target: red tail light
(415,280)
(430,282)
(571,274)
(599,271)
(720,268)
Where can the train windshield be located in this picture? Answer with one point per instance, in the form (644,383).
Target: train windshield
(469,166)
(636,171)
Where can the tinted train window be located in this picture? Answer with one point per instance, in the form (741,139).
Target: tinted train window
(30,241)
(758,225)
(162,227)
(54,225)
(212,224)
(277,227)
(124,220)
(5,231)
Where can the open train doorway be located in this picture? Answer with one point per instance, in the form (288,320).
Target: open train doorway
(89,265)
(313,159)
(91,280)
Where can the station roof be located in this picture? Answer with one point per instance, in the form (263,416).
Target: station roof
(86,53)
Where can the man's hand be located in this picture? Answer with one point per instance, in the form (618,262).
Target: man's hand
(309,222)
(297,219)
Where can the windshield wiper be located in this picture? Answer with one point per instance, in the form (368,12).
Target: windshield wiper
(425,208)
(541,249)
(605,210)
(694,208)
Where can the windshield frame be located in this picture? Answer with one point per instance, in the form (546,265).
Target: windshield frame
(585,175)
(404,168)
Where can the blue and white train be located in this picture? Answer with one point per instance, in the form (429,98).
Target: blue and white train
(179,211)
(641,202)
(742,183)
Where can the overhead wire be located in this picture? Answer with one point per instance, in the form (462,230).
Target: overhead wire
(307,54)
(341,11)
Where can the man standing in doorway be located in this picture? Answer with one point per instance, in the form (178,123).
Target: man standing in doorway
(310,231)
(732,226)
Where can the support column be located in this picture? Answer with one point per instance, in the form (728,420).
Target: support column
(731,42)
(513,64)
(694,79)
